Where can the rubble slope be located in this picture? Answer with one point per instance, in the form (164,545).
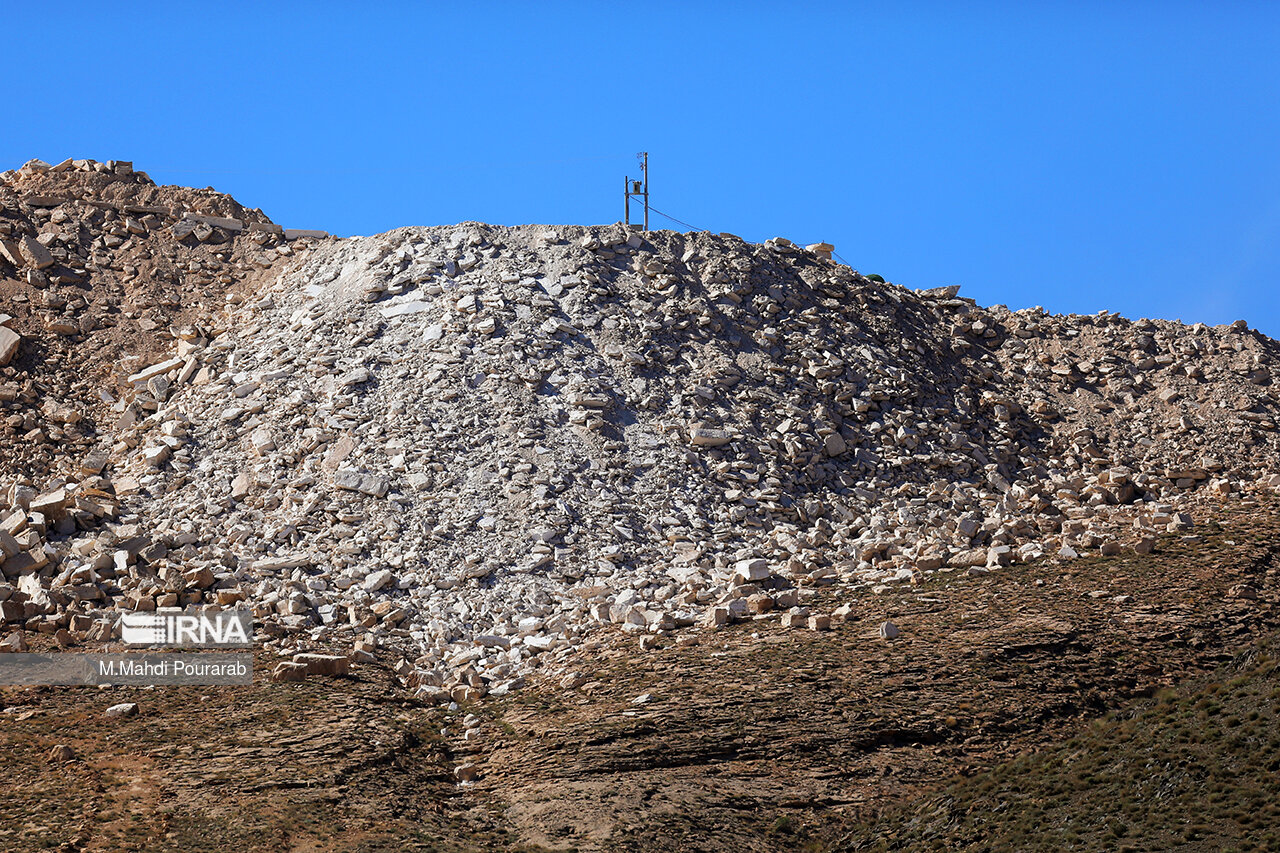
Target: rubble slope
(465,448)
(99,270)
(473,443)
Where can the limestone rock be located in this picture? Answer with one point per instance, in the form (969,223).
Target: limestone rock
(290,671)
(361,481)
(378,580)
(319,664)
(9,342)
(709,437)
(36,255)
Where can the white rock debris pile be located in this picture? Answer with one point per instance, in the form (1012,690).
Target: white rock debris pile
(468,446)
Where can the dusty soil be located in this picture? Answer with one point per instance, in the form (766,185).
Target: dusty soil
(755,738)
(344,764)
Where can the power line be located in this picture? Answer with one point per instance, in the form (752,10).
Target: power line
(673,219)
(834,253)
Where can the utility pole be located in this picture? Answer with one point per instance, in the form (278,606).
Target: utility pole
(644,166)
(637,188)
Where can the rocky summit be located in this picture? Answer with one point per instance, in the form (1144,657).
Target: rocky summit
(471,450)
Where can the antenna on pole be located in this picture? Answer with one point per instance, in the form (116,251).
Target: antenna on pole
(638,188)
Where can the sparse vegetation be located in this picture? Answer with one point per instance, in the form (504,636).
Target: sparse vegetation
(1193,768)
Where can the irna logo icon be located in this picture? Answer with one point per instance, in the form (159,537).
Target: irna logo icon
(188,630)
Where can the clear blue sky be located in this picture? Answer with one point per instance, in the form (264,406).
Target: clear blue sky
(1079,156)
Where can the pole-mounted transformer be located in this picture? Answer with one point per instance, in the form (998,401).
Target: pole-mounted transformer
(637,188)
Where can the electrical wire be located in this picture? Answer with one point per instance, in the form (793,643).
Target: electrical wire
(653,209)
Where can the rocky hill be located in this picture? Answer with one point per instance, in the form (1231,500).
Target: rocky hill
(617,536)
(469,448)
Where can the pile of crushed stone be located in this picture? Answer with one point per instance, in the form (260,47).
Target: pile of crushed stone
(466,449)
(478,443)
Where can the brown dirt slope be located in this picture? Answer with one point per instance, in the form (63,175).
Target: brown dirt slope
(757,738)
(1194,769)
(346,764)
(801,731)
